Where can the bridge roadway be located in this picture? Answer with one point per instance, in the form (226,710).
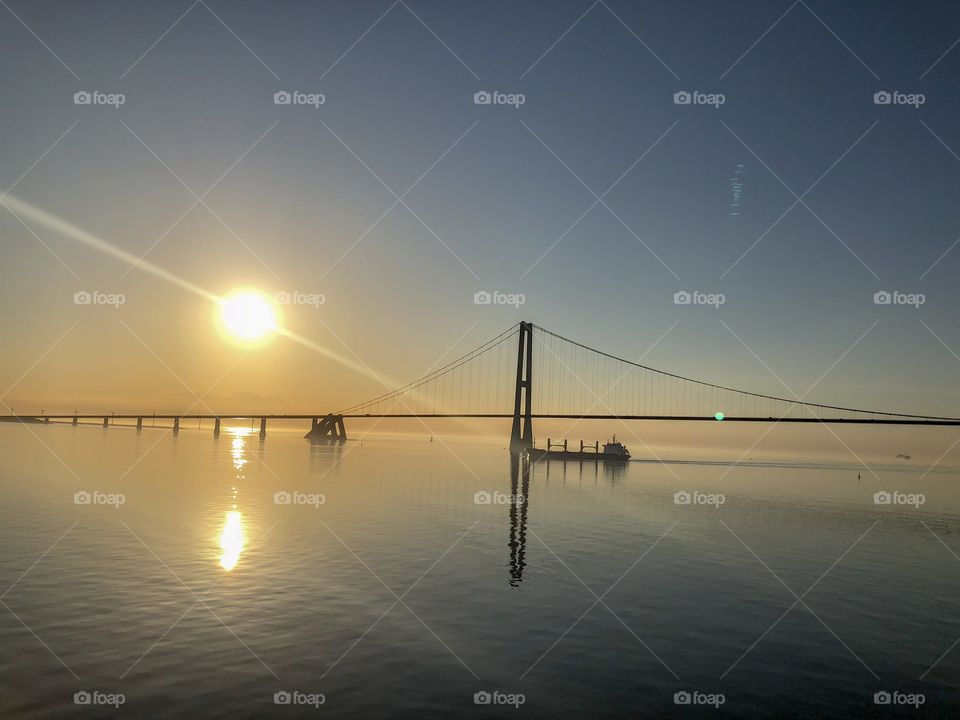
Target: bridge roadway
(314,416)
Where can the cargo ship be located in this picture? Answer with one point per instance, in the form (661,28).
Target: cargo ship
(612,451)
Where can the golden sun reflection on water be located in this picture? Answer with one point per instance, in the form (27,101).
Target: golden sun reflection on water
(232,536)
(232,540)
(236,451)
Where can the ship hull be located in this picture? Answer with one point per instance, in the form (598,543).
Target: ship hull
(537,454)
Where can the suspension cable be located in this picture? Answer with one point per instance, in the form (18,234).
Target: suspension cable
(449,367)
(735,390)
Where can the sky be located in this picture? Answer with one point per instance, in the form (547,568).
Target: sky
(784,188)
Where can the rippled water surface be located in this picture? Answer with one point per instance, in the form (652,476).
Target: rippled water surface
(204,592)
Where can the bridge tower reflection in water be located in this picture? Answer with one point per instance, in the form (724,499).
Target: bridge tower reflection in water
(519,487)
(521,470)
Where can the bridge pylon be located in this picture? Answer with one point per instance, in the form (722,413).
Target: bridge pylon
(521,435)
(327,428)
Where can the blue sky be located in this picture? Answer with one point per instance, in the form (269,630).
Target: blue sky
(500,205)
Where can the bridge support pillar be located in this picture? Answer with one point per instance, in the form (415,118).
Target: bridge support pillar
(75,420)
(216,427)
(329,427)
(263,428)
(521,435)
(176,425)
(106,422)
(139,424)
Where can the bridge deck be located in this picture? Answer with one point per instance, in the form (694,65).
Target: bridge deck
(461,416)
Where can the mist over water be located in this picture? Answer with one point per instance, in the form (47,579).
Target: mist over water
(234,569)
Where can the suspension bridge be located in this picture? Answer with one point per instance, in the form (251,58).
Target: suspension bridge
(528,373)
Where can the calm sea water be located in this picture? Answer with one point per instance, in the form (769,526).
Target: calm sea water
(369,576)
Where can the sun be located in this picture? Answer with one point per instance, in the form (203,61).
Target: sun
(248,316)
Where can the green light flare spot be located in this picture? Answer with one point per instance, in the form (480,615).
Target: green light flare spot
(718,415)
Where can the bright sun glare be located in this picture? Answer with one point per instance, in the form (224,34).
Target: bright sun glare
(232,540)
(248,316)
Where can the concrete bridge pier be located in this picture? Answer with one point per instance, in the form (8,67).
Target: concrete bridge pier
(139,424)
(75,420)
(216,428)
(106,422)
(329,428)
(176,425)
(263,428)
